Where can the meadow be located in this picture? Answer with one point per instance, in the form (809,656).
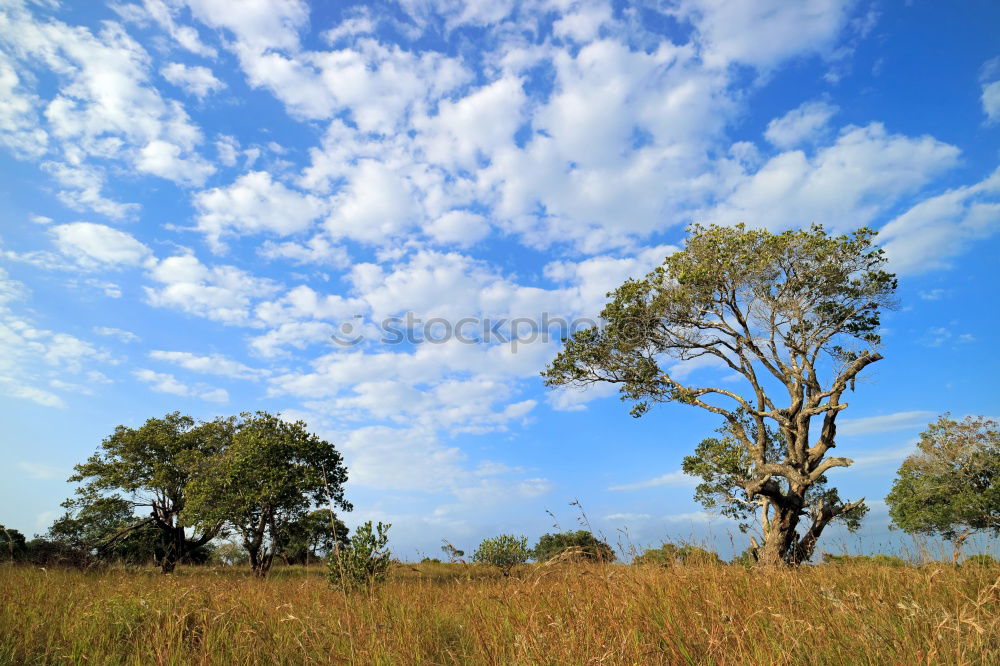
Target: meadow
(543,614)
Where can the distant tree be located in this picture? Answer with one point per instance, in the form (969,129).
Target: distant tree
(951,486)
(670,555)
(794,316)
(454,554)
(581,545)
(12,544)
(266,481)
(312,537)
(364,561)
(726,469)
(876,560)
(504,552)
(229,554)
(980,560)
(430,560)
(146,468)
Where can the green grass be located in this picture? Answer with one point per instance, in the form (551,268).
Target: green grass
(454,614)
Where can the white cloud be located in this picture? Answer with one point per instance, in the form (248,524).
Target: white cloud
(375,206)
(317,250)
(676,479)
(220,293)
(121,334)
(843,186)
(167,383)
(164,13)
(163,159)
(214,364)
(991,101)
(765,32)
(884,423)
(936,229)
(93,245)
(254,203)
(195,79)
(458,227)
(258,24)
(800,125)
(19,123)
(43,472)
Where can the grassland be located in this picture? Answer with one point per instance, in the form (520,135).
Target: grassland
(452,614)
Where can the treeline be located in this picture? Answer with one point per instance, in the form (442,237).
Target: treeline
(169,490)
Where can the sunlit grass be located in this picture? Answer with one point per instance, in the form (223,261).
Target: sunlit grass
(453,614)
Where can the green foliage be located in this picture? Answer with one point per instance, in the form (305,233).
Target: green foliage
(980,560)
(454,554)
(264,482)
(229,554)
(12,544)
(143,469)
(794,316)
(364,561)
(312,536)
(430,560)
(504,552)
(671,555)
(951,486)
(877,560)
(727,469)
(580,545)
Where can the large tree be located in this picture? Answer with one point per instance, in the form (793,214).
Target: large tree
(951,486)
(265,482)
(794,315)
(146,470)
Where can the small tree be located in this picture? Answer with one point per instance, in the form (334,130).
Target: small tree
(313,536)
(364,561)
(581,545)
(454,555)
(264,482)
(12,544)
(951,486)
(670,555)
(504,552)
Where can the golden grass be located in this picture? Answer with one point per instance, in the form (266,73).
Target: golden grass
(452,614)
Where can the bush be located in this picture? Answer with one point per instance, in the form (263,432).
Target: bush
(981,560)
(504,552)
(878,560)
(430,560)
(669,555)
(579,545)
(364,561)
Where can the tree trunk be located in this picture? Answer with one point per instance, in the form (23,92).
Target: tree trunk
(779,540)
(956,545)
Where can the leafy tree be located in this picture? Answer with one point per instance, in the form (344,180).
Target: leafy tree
(670,555)
(312,537)
(876,560)
(454,554)
(229,554)
(364,561)
(951,486)
(980,560)
(504,552)
(794,315)
(578,545)
(12,544)
(264,483)
(145,468)
(726,470)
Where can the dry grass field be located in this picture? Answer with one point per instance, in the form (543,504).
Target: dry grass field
(454,614)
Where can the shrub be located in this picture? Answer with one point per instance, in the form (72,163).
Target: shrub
(364,561)
(669,555)
(430,560)
(581,545)
(981,560)
(504,552)
(879,560)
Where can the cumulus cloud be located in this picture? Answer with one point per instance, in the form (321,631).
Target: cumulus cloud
(162,382)
(213,364)
(94,245)
(195,79)
(254,203)
(799,125)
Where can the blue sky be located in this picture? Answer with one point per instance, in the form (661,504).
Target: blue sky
(196,198)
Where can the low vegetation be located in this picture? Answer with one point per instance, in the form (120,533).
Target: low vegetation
(558,613)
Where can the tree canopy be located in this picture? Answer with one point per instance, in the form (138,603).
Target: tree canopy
(147,469)
(795,316)
(951,486)
(577,545)
(264,482)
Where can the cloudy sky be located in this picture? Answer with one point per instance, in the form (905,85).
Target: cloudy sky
(196,199)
